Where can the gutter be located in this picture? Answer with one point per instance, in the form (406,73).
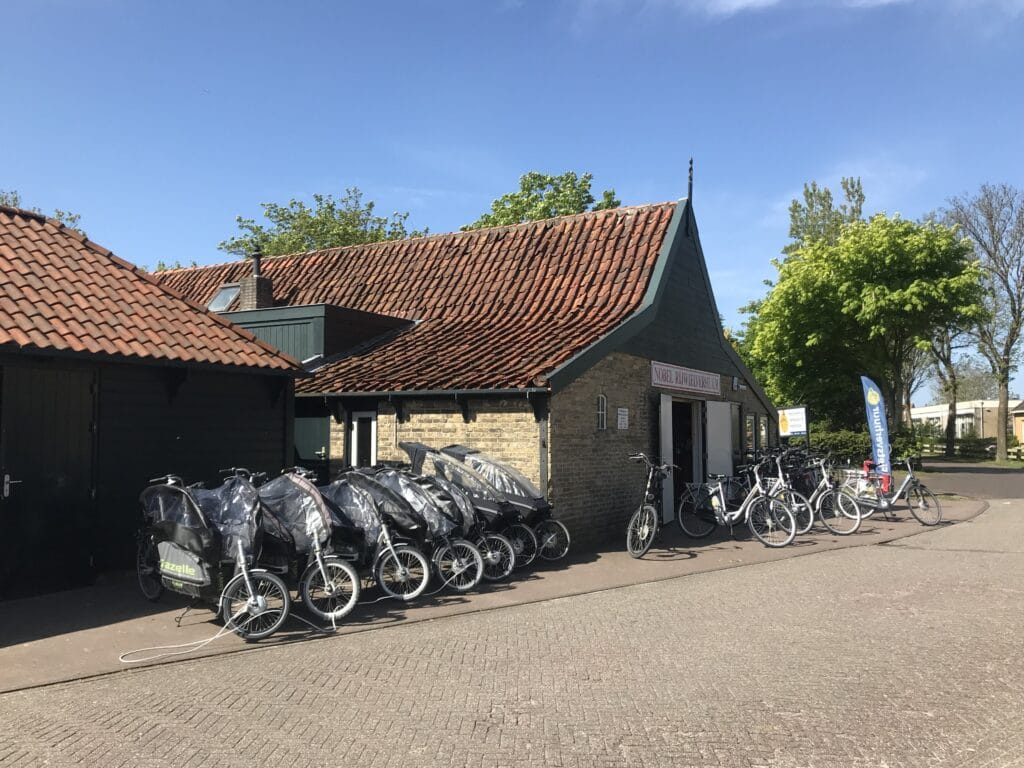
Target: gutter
(429,393)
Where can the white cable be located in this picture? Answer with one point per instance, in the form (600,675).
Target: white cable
(190,647)
(195,645)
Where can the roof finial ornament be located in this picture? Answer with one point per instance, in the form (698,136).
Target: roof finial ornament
(689,188)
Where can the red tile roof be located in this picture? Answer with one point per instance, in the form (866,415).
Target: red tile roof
(62,292)
(495,308)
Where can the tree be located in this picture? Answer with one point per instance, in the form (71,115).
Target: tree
(543,197)
(13,200)
(994,221)
(943,347)
(817,219)
(296,228)
(975,380)
(860,305)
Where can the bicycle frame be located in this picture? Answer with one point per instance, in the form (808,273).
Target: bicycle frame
(881,500)
(730,517)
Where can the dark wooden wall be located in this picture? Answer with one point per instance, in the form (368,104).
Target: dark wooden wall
(154,421)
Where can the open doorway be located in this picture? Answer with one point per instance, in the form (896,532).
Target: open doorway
(681,444)
(362,446)
(682,447)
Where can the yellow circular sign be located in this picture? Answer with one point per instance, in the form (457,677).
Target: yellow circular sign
(873,397)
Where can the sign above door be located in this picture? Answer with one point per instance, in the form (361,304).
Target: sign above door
(685,379)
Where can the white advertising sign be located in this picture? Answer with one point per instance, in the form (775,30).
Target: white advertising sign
(792,422)
(685,379)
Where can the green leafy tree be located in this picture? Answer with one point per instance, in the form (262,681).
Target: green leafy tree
(861,305)
(330,223)
(994,221)
(816,218)
(13,200)
(812,219)
(541,196)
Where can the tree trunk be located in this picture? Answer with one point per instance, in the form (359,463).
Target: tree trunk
(951,426)
(1003,413)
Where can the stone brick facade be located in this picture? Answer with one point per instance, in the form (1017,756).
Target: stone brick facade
(505,428)
(594,488)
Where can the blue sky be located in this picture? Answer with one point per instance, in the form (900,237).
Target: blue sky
(160,122)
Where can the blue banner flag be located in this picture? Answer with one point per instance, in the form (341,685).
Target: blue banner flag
(875,407)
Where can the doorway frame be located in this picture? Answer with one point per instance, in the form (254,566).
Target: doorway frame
(668,511)
(354,417)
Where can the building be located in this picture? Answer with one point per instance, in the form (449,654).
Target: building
(560,346)
(1017,419)
(108,379)
(974,418)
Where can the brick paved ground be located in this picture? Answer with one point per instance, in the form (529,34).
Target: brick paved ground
(904,654)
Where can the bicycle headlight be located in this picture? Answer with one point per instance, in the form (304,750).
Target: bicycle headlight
(649,497)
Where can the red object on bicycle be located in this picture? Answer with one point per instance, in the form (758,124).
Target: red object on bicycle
(886,480)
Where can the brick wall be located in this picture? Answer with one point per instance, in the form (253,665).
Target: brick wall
(504,428)
(255,293)
(594,488)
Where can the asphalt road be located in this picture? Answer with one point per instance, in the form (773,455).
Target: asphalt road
(898,654)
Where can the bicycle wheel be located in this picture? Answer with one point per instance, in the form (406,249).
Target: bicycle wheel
(334,597)
(524,542)
(641,530)
(499,556)
(552,538)
(460,565)
(924,505)
(803,512)
(147,567)
(696,514)
(259,614)
(402,574)
(839,512)
(771,521)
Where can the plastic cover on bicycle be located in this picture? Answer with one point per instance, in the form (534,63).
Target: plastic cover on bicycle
(459,498)
(426,505)
(300,508)
(232,509)
(170,504)
(505,478)
(353,507)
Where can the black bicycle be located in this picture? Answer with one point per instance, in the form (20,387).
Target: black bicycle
(645,523)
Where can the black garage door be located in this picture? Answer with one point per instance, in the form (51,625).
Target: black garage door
(47,452)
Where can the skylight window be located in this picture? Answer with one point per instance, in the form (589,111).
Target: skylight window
(224,297)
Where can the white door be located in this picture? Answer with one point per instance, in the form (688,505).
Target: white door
(362,444)
(665,437)
(719,438)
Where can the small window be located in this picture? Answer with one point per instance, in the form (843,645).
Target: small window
(602,412)
(224,297)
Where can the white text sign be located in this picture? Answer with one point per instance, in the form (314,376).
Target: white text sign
(685,379)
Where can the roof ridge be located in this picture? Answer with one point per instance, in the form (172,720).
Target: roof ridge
(127,265)
(459,233)
(16,211)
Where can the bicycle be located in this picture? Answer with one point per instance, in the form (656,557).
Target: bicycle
(645,523)
(867,487)
(837,510)
(704,507)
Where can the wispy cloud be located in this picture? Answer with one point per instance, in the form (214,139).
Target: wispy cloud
(727,8)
